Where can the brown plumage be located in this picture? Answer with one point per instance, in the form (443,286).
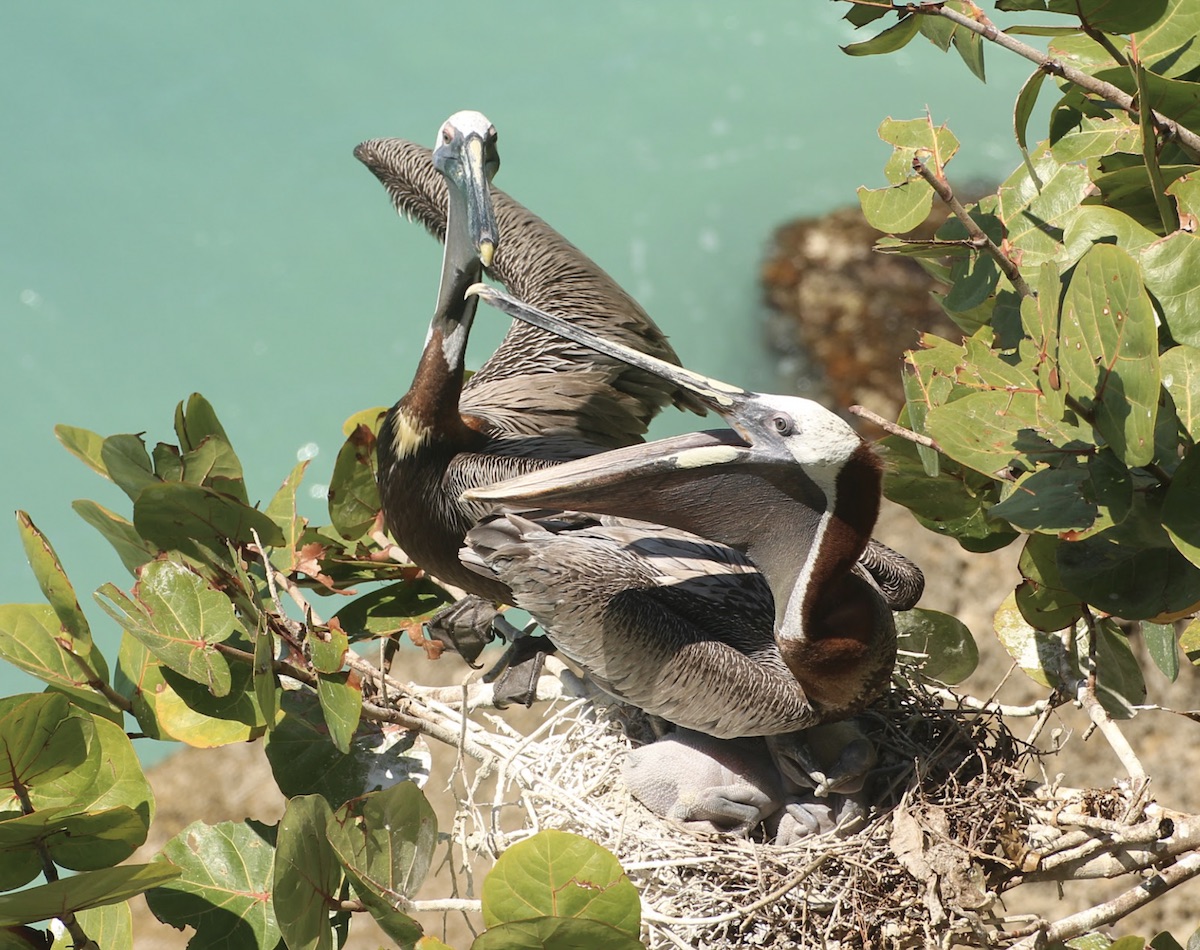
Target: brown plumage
(537,400)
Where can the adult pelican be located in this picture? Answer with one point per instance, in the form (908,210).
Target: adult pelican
(539,399)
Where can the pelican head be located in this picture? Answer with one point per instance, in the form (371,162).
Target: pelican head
(466,156)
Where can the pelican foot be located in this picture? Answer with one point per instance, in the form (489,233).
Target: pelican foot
(830,758)
(514,678)
(466,626)
(707,785)
(803,816)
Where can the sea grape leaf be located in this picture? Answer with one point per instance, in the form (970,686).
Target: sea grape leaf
(341,704)
(1160,644)
(224,886)
(282,510)
(1172,273)
(950,653)
(1035,216)
(1108,350)
(133,550)
(1168,46)
(82,891)
(1098,224)
(897,208)
(1180,512)
(559,874)
(188,518)
(1048,500)
(308,877)
(389,610)
(81,841)
(893,38)
(40,738)
(28,640)
(1180,368)
(108,926)
(58,591)
(179,618)
(84,444)
(126,462)
(555,933)
(353,493)
(305,761)
(385,841)
(1131,570)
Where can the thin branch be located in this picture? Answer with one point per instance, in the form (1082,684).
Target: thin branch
(95,682)
(978,237)
(1138,896)
(1086,694)
(864,413)
(1106,90)
(979,705)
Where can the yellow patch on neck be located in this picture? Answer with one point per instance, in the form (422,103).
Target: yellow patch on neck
(407,437)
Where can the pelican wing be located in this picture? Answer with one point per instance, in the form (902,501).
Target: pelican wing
(587,395)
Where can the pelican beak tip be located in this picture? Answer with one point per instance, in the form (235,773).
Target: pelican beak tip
(486,251)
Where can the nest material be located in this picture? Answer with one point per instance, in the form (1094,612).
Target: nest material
(950,796)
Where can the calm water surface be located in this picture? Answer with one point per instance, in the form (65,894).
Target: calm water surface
(181,211)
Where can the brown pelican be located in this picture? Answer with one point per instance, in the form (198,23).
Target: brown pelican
(735,604)
(539,399)
(793,494)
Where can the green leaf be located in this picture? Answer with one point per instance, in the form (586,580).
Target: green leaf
(898,208)
(559,874)
(1128,188)
(305,761)
(179,618)
(920,136)
(341,704)
(1096,137)
(385,841)
(168,462)
(1039,654)
(328,646)
(79,841)
(1048,500)
(948,648)
(266,683)
(108,926)
(308,877)
(1026,100)
(555,933)
(1109,17)
(1189,642)
(353,493)
(1108,350)
(1186,191)
(196,421)
(1172,273)
(58,590)
(28,640)
(82,891)
(117,531)
(893,38)
(224,888)
(1169,46)
(1042,597)
(240,704)
(969,46)
(84,444)
(127,464)
(213,463)
(40,739)
(1180,367)
(177,516)
(1160,644)
(1095,223)
(1131,570)
(989,431)
(1035,215)
(1180,512)
(282,510)
(389,610)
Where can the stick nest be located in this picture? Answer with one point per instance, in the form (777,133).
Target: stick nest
(949,831)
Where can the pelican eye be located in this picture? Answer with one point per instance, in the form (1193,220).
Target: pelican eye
(447,135)
(783,424)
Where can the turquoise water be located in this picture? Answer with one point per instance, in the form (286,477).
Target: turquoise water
(181,211)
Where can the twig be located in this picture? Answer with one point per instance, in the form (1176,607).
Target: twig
(864,413)
(979,705)
(1086,694)
(1106,90)
(95,682)
(1141,894)
(978,237)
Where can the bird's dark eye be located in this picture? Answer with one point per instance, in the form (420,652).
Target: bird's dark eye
(782,424)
